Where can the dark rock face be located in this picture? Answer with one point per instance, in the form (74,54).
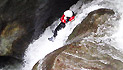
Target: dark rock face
(8,36)
(9,61)
(21,21)
(16,23)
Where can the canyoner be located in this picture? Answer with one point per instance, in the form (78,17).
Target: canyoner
(66,17)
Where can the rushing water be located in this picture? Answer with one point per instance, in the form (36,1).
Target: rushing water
(41,47)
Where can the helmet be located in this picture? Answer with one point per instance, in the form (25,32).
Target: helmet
(68,13)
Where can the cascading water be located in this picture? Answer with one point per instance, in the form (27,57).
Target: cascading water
(119,34)
(41,47)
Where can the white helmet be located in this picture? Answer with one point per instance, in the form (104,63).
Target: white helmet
(68,13)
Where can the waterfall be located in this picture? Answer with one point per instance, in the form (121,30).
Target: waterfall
(119,33)
(41,47)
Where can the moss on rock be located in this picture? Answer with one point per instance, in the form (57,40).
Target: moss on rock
(11,32)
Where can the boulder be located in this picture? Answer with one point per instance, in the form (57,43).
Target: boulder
(90,23)
(80,56)
(48,60)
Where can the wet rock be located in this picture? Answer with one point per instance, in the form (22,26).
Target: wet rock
(90,23)
(10,33)
(78,57)
(15,25)
(48,60)
(9,62)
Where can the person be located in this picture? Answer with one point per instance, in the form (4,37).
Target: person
(66,17)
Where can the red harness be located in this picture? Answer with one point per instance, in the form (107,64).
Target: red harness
(64,21)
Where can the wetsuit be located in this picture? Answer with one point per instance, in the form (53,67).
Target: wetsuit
(62,24)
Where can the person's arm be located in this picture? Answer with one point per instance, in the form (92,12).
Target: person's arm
(62,19)
(71,18)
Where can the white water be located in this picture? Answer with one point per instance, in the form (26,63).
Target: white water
(119,34)
(41,47)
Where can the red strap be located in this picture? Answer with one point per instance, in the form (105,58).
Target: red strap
(71,18)
(62,19)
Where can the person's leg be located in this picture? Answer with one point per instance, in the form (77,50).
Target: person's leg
(59,27)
